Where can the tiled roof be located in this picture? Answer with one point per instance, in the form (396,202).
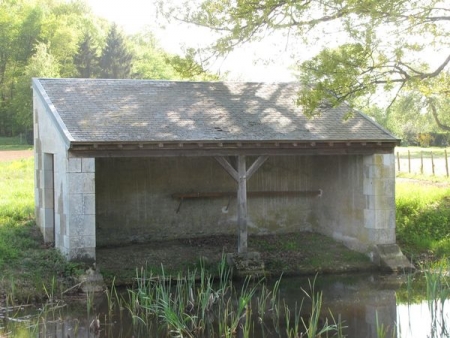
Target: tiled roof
(93,110)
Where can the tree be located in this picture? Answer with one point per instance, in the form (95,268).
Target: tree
(86,60)
(33,35)
(149,60)
(20,30)
(388,45)
(115,61)
(42,64)
(188,67)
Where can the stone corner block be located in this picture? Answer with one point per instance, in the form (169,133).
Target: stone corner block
(88,165)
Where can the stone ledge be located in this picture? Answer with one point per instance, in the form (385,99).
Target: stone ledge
(390,258)
(246,264)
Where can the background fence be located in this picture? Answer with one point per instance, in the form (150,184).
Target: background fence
(425,162)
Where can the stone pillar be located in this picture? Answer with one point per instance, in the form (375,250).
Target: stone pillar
(47,193)
(79,237)
(379,194)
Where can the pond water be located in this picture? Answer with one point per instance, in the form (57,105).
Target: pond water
(367,306)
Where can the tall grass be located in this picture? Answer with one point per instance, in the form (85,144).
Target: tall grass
(16,208)
(199,305)
(423,218)
(23,257)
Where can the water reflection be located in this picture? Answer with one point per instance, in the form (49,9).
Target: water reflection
(416,320)
(365,303)
(367,306)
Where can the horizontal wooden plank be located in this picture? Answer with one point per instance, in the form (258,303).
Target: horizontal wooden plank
(180,152)
(221,194)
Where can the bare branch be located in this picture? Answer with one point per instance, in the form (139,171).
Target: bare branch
(437,71)
(396,96)
(436,117)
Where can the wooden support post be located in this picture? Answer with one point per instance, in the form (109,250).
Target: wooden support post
(241,175)
(242,205)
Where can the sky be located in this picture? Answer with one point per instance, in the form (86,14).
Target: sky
(257,62)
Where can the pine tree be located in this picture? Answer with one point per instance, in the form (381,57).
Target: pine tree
(115,61)
(86,59)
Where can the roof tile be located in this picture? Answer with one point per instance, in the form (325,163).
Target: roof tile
(96,110)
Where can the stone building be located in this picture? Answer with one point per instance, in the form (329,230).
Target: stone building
(127,161)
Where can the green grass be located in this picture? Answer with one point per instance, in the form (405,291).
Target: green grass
(423,219)
(14,143)
(26,263)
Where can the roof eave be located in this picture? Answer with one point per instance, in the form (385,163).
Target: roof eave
(216,148)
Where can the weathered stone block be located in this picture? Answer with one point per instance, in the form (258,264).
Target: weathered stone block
(381,236)
(391,258)
(380,202)
(389,187)
(379,219)
(89,204)
(81,242)
(368,186)
(74,165)
(63,224)
(372,172)
(81,182)
(388,160)
(76,206)
(81,225)
(88,165)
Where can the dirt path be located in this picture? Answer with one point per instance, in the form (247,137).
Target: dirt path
(11,155)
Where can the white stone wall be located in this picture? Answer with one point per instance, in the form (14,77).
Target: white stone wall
(79,237)
(64,190)
(357,206)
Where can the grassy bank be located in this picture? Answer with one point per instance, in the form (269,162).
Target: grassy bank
(423,231)
(423,219)
(26,264)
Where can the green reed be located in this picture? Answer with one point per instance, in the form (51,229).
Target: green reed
(199,305)
(437,293)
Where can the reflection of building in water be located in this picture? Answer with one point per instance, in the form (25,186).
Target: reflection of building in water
(357,301)
(381,313)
